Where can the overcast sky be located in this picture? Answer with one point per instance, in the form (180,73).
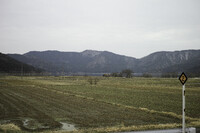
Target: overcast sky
(129,27)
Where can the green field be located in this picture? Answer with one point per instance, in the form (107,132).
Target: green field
(113,104)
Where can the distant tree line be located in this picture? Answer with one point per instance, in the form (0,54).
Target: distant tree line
(147,75)
(169,75)
(124,73)
(175,75)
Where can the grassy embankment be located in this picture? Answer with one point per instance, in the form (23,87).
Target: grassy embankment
(113,104)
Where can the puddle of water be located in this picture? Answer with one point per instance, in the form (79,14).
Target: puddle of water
(67,127)
(25,122)
(29,123)
(33,124)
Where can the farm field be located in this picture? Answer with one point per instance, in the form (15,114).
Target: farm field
(112,104)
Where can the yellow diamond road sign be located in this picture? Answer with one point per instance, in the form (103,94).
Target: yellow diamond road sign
(183,78)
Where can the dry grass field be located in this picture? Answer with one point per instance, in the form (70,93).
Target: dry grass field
(109,105)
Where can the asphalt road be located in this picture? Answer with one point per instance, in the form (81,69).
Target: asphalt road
(164,131)
(197,130)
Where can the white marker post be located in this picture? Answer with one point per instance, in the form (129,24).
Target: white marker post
(183,93)
(183,79)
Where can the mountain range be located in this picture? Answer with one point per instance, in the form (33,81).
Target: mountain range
(91,61)
(10,65)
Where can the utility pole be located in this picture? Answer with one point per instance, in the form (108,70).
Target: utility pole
(22,67)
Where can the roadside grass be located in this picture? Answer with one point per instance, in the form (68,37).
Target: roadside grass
(113,104)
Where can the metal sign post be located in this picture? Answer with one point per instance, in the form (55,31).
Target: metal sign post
(183,79)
